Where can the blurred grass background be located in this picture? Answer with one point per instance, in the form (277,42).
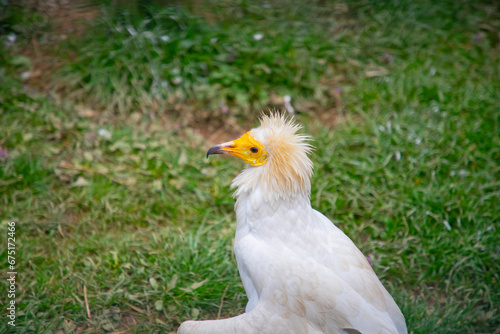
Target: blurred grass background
(108,108)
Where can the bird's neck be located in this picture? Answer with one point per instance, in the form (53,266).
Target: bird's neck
(261,196)
(272,184)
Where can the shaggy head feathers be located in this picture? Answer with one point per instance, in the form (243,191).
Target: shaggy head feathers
(288,170)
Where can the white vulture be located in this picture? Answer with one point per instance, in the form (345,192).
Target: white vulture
(300,272)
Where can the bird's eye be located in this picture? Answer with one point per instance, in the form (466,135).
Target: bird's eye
(254,150)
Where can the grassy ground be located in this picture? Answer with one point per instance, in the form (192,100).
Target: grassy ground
(123,226)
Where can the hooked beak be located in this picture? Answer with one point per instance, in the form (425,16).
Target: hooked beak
(246,148)
(219,149)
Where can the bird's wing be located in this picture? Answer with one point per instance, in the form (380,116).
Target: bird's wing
(341,255)
(309,294)
(303,261)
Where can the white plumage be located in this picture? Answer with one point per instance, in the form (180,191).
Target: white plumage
(300,272)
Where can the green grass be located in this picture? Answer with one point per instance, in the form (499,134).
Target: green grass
(144,224)
(173,56)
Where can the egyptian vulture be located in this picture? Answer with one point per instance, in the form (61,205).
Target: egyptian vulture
(300,272)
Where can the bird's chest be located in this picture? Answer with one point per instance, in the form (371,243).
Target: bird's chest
(273,222)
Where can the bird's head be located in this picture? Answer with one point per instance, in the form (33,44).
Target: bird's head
(277,157)
(247,148)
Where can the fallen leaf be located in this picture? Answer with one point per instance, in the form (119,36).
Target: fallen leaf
(153,283)
(139,146)
(27,136)
(172,283)
(121,146)
(159,305)
(157,185)
(83,111)
(87,156)
(80,182)
(379,72)
(183,158)
(196,285)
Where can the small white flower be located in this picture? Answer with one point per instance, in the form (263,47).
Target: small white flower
(418,141)
(258,37)
(452,173)
(213,40)
(381,128)
(463,172)
(12,38)
(398,156)
(288,105)
(104,133)
(447,225)
(435,109)
(432,71)
(165,38)
(131,30)
(177,80)
(25,75)
(389,127)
